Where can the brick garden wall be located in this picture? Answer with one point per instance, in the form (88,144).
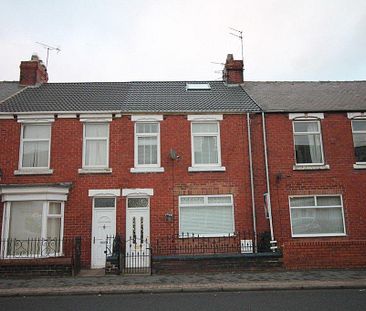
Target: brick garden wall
(324,254)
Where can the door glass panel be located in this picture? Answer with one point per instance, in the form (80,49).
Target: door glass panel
(138,202)
(104,202)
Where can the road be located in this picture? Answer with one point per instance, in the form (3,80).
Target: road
(344,299)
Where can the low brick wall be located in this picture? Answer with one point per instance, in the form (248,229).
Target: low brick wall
(324,254)
(216,263)
(36,267)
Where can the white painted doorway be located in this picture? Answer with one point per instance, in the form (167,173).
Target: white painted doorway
(104,225)
(137,232)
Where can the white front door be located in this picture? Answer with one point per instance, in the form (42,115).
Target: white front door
(104,225)
(138,232)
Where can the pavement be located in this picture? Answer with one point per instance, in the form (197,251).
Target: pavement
(95,283)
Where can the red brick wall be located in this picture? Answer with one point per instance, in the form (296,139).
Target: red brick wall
(66,159)
(324,254)
(341,179)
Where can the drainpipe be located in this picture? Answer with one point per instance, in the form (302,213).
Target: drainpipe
(252,185)
(269,207)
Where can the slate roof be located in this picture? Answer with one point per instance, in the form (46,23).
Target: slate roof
(129,97)
(308,96)
(8,88)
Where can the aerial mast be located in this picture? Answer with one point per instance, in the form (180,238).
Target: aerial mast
(49,48)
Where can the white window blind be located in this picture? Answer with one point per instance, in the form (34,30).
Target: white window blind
(206,215)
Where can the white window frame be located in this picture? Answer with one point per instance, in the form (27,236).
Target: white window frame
(152,135)
(88,167)
(363,119)
(317,207)
(304,120)
(45,216)
(23,140)
(147,168)
(205,203)
(206,166)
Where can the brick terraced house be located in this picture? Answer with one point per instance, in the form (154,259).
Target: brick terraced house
(182,174)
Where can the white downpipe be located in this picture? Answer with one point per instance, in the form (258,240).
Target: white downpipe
(252,184)
(269,207)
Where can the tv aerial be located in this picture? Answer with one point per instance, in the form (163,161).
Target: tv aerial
(49,48)
(239,34)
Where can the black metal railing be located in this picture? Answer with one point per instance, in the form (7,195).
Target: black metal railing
(191,244)
(36,247)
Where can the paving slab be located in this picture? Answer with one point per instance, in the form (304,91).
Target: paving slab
(238,281)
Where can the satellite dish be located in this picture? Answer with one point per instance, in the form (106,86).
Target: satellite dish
(173,154)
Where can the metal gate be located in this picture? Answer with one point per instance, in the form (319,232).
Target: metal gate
(137,256)
(131,256)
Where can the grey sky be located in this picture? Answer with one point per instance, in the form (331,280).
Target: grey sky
(178,39)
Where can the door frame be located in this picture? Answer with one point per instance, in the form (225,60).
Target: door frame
(110,209)
(138,209)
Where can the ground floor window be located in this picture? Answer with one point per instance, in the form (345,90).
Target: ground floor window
(206,215)
(33,228)
(320,215)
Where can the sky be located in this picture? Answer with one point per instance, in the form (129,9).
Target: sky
(140,40)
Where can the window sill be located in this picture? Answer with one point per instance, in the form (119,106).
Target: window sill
(299,167)
(318,235)
(206,169)
(94,170)
(138,170)
(359,166)
(34,171)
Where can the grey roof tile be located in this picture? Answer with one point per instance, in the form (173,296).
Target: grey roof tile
(128,97)
(9,88)
(308,96)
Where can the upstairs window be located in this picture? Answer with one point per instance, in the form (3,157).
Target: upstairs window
(147,144)
(308,142)
(206,144)
(359,139)
(96,145)
(35,146)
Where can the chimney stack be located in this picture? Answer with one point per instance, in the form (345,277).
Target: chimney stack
(233,70)
(33,71)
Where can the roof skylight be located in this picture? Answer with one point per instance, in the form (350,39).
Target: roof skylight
(198,86)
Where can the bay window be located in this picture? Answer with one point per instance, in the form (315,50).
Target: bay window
(320,215)
(33,228)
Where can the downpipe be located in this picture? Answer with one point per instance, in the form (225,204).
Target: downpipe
(269,206)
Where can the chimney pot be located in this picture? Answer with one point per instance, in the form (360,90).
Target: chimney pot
(233,70)
(33,71)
